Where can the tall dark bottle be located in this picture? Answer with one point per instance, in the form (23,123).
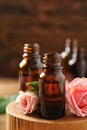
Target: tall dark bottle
(24,67)
(51,88)
(35,64)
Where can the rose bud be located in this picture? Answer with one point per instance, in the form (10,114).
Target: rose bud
(27,102)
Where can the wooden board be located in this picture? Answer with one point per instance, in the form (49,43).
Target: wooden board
(18,121)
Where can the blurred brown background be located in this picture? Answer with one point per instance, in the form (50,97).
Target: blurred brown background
(48,22)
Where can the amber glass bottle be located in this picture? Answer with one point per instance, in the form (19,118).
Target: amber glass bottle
(81,63)
(66,54)
(24,67)
(51,91)
(77,63)
(73,60)
(35,64)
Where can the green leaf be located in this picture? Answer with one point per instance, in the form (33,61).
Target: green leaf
(5,101)
(34,85)
(2,99)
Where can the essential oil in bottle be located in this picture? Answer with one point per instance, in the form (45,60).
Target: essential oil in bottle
(51,88)
(24,67)
(35,64)
(77,63)
(66,55)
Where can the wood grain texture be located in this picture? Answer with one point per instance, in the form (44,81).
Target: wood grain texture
(17,121)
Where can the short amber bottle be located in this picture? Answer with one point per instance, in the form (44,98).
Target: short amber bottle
(31,65)
(52,87)
(24,67)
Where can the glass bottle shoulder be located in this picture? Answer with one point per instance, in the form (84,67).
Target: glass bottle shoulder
(24,63)
(57,76)
(35,63)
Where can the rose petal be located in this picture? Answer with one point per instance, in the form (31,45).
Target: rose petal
(27,102)
(76,96)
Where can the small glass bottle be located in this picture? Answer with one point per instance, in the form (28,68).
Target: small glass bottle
(51,88)
(67,49)
(23,67)
(82,63)
(65,55)
(78,63)
(73,60)
(35,64)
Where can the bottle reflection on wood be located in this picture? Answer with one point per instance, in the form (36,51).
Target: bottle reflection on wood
(52,81)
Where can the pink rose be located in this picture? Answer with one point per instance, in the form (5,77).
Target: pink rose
(76,96)
(27,102)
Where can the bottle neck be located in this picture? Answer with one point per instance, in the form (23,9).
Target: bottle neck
(27,50)
(67,50)
(52,62)
(35,55)
(26,55)
(35,50)
(36,58)
(51,69)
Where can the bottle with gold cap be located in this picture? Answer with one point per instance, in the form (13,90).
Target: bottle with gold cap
(51,88)
(24,67)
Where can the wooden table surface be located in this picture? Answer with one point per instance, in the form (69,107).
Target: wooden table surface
(7,87)
(18,121)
